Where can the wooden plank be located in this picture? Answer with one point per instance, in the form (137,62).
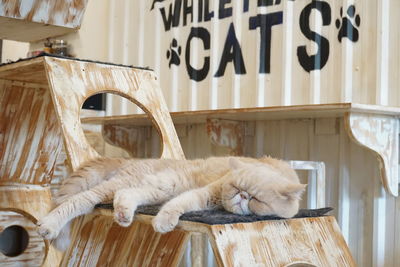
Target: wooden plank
(26,31)
(29,134)
(104,243)
(27,203)
(316,241)
(272,243)
(31,71)
(86,79)
(33,200)
(257,114)
(36,250)
(39,19)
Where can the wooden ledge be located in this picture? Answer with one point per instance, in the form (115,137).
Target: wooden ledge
(252,114)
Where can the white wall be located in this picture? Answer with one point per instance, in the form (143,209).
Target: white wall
(13,50)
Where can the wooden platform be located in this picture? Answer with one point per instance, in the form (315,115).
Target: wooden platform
(316,241)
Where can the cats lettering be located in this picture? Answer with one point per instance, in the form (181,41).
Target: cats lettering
(180,13)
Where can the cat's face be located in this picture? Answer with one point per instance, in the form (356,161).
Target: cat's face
(260,189)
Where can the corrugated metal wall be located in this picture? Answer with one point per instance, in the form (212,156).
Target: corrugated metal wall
(320,51)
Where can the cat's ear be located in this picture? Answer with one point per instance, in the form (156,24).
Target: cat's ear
(235,163)
(293,191)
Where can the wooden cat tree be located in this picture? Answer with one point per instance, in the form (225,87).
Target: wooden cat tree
(40,103)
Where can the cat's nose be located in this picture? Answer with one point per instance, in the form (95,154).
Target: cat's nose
(243,195)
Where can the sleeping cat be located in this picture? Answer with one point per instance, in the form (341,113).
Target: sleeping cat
(263,186)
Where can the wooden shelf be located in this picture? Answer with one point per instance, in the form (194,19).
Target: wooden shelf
(29,21)
(252,114)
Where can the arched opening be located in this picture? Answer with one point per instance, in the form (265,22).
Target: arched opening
(14,240)
(127,133)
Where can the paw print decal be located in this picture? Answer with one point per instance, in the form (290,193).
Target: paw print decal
(173,53)
(348,24)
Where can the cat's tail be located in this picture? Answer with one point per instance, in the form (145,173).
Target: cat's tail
(86,177)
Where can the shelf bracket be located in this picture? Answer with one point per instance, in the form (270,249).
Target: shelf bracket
(380,134)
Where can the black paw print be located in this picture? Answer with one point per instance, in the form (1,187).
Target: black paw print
(348,25)
(173,53)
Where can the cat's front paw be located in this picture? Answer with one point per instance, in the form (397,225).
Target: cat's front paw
(165,221)
(47,230)
(123,216)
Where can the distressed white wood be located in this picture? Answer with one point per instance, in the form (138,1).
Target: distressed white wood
(137,85)
(270,243)
(39,19)
(36,250)
(380,134)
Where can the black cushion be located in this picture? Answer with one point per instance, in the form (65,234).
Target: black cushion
(222,216)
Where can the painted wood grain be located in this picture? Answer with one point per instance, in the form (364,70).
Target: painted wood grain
(30,71)
(26,204)
(29,134)
(102,242)
(141,87)
(317,241)
(36,250)
(39,19)
(381,135)
(86,79)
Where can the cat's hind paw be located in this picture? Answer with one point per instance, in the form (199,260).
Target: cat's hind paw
(165,222)
(123,216)
(47,230)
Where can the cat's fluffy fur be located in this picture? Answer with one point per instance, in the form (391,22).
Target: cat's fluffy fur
(264,186)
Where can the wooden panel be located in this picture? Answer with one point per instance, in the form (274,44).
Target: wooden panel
(104,243)
(23,205)
(39,19)
(36,250)
(29,134)
(317,241)
(86,79)
(31,71)
(33,200)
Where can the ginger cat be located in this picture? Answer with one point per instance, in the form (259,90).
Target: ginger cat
(263,186)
